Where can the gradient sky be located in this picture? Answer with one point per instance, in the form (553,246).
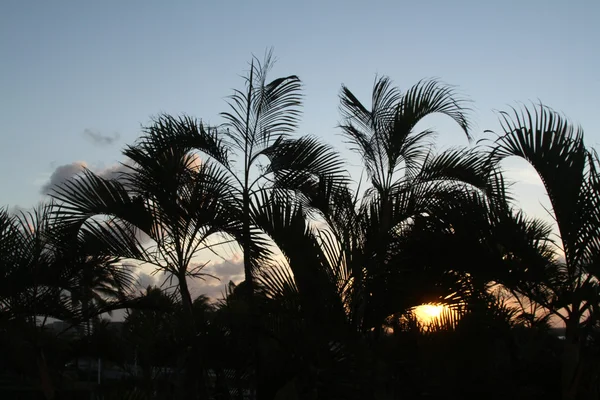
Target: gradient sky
(72,73)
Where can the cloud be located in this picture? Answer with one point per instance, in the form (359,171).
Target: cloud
(114,171)
(100,139)
(17,210)
(228,270)
(144,280)
(65,172)
(61,174)
(526,176)
(214,289)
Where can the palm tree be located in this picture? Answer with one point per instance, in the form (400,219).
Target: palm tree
(30,288)
(163,210)
(45,272)
(337,270)
(268,163)
(569,173)
(307,309)
(256,130)
(178,204)
(407,179)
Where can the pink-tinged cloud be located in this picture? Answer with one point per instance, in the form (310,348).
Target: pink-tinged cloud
(225,271)
(61,174)
(212,284)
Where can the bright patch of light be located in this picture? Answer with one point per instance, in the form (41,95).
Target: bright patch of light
(426,313)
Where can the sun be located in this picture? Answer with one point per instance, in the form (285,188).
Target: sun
(428,312)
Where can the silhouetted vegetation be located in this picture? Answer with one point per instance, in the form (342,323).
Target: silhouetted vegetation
(334,266)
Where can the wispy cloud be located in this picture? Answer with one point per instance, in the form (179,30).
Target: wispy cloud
(99,139)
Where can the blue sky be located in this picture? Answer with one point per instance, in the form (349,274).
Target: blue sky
(106,67)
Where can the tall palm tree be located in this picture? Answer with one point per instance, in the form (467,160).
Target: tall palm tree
(163,210)
(406,177)
(178,204)
(555,148)
(266,160)
(255,151)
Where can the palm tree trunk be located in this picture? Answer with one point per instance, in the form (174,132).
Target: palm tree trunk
(186,301)
(380,260)
(249,282)
(571,362)
(247,241)
(193,382)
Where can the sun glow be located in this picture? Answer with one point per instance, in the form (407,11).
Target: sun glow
(428,312)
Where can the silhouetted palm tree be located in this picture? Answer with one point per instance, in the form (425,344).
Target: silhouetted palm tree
(569,172)
(407,179)
(307,311)
(31,286)
(162,210)
(334,272)
(256,131)
(267,162)
(49,275)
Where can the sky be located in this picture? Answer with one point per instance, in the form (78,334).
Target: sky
(79,79)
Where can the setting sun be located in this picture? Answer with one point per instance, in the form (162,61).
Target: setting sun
(427,312)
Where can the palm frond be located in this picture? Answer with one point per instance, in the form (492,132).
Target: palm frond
(298,164)
(284,222)
(366,129)
(265,109)
(459,166)
(277,282)
(90,195)
(430,96)
(385,136)
(555,149)
(185,133)
(385,99)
